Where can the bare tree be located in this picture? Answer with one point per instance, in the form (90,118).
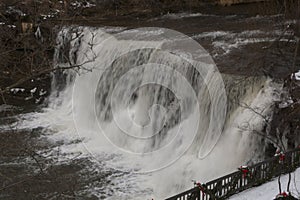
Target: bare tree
(28,41)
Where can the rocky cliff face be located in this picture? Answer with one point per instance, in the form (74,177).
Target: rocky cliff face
(285,126)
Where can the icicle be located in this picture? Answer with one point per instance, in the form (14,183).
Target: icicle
(38,34)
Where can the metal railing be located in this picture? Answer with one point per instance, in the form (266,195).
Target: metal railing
(238,181)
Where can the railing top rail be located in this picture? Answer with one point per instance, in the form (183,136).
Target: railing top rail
(274,158)
(255,165)
(222,177)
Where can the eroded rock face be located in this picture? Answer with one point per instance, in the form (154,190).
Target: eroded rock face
(297,29)
(285,125)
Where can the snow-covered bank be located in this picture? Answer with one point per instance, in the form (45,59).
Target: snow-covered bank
(269,190)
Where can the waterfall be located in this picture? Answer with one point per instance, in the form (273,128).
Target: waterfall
(151,102)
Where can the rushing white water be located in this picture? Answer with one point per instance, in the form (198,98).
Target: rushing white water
(225,41)
(158,116)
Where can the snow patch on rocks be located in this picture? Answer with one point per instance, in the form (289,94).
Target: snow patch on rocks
(16,90)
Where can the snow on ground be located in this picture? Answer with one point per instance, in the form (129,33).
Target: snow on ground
(297,76)
(269,190)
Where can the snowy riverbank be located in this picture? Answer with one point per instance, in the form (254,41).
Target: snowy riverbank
(269,190)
